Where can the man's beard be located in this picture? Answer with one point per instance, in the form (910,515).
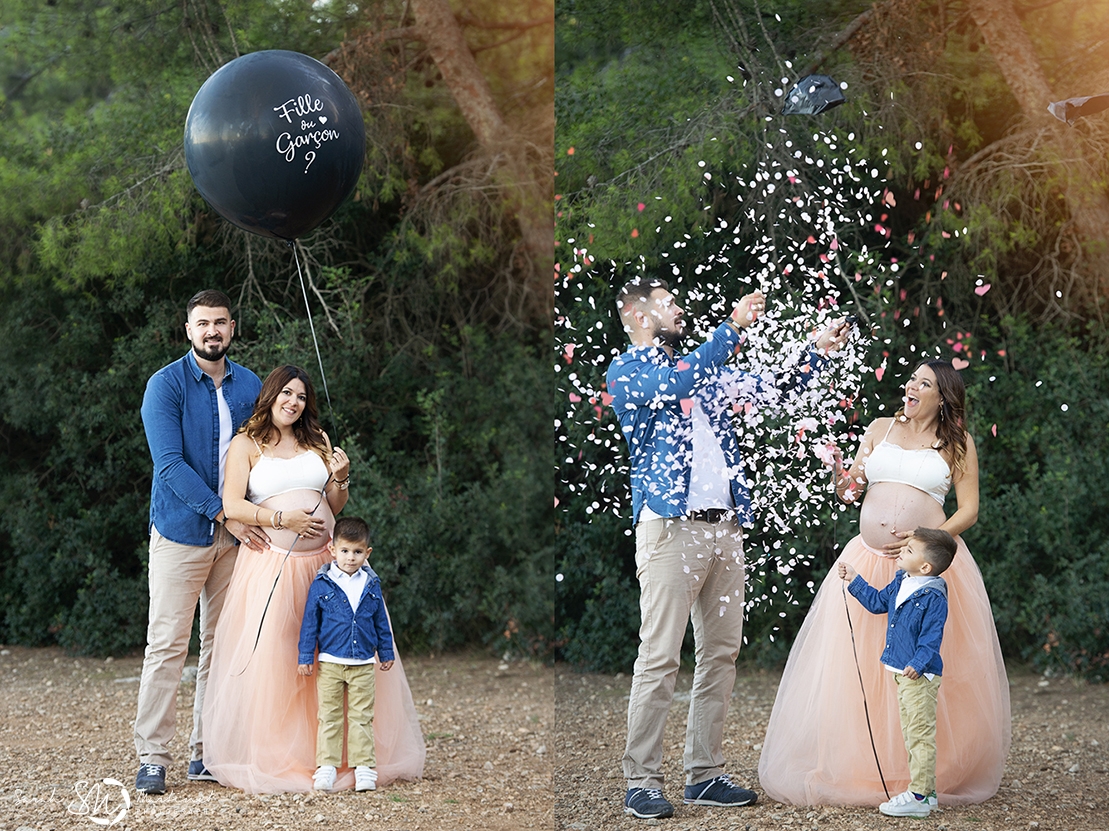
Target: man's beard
(211,352)
(670,338)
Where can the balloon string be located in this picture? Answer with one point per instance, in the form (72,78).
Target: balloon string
(855,651)
(315,343)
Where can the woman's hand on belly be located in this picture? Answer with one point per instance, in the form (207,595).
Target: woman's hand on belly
(893,549)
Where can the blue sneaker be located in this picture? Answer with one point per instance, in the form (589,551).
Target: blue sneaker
(647,803)
(720,792)
(199,773)
(151,779)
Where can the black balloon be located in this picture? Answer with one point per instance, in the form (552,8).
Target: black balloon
(274,141)
(812,95)
(1072,109)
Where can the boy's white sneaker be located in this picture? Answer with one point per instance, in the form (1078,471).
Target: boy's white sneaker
(906,805)
(365,778)
(324,779)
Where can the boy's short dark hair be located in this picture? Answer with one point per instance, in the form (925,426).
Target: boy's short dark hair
(352,529)
(637,292)
(939,548)
(209,299)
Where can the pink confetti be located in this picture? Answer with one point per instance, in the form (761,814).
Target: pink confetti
(959,363)
(994,430)
(687,406)
(958,347)
(568,352)
(880,371)
(606,399)
(980,290)
(641,207)
(683,365)
(574,398)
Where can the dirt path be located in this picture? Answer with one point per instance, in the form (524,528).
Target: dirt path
(66,726)
(1055,777)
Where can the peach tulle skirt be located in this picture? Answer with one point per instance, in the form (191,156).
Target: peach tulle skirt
(260,717)
(817,748)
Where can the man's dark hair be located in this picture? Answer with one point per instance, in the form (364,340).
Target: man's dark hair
(638,291)
(939,548)
(352,529)
(210,299)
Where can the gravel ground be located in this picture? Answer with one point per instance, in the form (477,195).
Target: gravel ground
(1055,778)
(67,726)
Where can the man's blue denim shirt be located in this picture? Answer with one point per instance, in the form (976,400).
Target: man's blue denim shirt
(180,414)
(648,388)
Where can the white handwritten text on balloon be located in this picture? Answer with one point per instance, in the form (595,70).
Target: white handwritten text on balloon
(287,145)
(302,105)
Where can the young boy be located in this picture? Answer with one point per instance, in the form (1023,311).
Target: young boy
(916,602)
(345,615)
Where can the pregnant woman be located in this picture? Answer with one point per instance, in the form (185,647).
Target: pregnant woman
(817,749)
(260,714)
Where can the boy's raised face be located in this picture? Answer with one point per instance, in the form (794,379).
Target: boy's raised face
(912,559)
(350,555)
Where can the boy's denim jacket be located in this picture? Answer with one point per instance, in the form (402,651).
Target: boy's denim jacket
(915,628)
(339,631)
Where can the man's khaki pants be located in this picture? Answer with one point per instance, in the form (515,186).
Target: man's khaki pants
(180,575)
(358,681)
(917,700)
(686,568)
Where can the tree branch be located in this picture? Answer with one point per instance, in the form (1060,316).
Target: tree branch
(467,19)
(837,42)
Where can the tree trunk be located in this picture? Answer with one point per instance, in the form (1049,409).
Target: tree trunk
(1016,58)
(530,200)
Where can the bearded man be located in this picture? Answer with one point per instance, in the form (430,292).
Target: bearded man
(689,503)
(190,411)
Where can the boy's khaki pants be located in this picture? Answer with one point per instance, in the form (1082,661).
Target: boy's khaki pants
(917,701)
(358,681)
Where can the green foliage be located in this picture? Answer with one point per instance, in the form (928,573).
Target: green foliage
(1040,537)
(432,364)
(966,254)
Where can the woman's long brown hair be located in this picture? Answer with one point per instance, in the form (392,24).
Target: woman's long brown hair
(952,429)
(306,429)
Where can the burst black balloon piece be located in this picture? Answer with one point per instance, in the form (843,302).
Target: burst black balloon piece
(274,141)
(812,95)
(1071,109)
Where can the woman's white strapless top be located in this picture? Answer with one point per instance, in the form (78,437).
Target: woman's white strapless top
(271,476)
(924,469)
